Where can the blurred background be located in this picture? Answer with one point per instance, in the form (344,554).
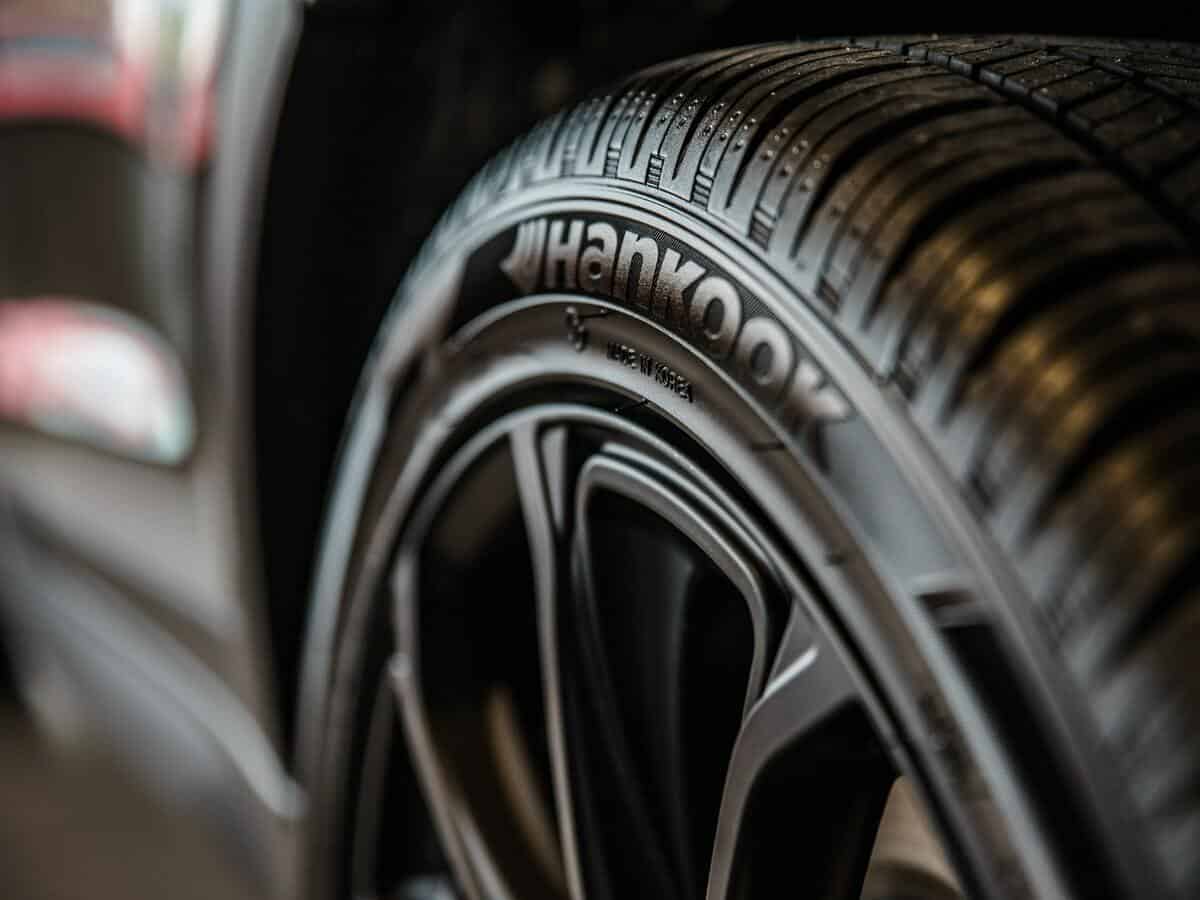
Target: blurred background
(389,108)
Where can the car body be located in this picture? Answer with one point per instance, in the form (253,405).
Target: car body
(132,584)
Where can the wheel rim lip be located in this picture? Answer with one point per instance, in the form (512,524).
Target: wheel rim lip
(459,834)
(407,663)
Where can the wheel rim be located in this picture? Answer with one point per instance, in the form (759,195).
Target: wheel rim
(686,720)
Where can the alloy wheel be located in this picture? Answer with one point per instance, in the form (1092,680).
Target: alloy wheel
(613,682)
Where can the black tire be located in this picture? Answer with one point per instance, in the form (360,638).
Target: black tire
(981,253)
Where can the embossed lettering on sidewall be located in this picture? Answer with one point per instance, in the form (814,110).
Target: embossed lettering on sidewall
(635,267)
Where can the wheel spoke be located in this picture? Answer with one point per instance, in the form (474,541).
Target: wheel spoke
(376,758)
(806,733)
(628,771)
(671,628)
(392,852)
(539,462)
(693,745)
(446,801)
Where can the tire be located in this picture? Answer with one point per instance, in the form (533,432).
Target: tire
(945,289)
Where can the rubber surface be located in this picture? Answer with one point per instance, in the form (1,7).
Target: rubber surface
(1004,232)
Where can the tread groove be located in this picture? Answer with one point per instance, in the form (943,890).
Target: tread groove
(1008,85)
(772,120)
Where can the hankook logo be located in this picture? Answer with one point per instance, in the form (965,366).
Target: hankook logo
(634,268)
